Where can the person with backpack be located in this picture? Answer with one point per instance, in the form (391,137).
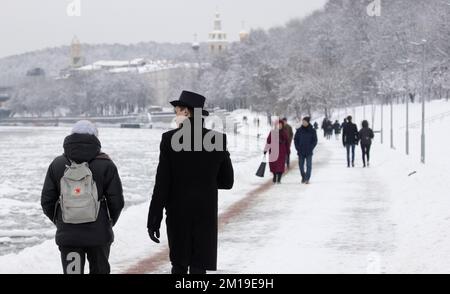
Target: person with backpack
(366,136)
(350,138)
(82,195)
(305,141)
(188,178)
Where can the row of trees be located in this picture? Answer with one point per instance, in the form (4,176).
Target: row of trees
(99,93)
(339,56)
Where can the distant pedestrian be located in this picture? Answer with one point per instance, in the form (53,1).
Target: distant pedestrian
(350,137)
(344,123)
(329,129)
(290,134)
(316,126)
(277,164)
(324,127)
(337,129)
(82,196)
(366,136)
(305,142)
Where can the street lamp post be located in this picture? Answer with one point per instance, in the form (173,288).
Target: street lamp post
(382,122)
(407,106)
(422,145)
(392,124)
(422,153)
(407,124)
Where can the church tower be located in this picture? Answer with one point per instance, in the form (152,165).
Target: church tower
(76,60)
(217,41)
(243,34)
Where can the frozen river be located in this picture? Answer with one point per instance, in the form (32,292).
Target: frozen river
(26,153)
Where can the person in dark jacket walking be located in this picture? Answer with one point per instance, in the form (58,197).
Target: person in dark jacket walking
(366,136)
(324,126)
(290,134)
(305,142)
(337,129)
(328,129)
(316,126)
(350,137)
(93,239)
(277,162)
(344,123)
(188,177)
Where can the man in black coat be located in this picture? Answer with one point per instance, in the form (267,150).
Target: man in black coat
(93,239)
(305,142)
(186,185)
(350,138)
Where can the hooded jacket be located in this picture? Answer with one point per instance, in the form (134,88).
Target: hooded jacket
(84,148)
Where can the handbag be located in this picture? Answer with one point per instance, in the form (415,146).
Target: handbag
(262,168)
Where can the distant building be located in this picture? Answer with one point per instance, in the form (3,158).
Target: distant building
(4,96)
(217,41)
(196,44)
(243,34)
(166,78)
(76,59)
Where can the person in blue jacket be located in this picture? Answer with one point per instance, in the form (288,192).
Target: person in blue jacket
(305,142)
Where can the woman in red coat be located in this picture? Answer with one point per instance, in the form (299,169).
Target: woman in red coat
(278,151)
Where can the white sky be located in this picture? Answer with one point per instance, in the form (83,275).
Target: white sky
(27,25)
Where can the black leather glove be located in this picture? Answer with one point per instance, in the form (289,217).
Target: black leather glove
(154,234)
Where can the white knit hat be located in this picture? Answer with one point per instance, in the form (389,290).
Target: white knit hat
(85,127)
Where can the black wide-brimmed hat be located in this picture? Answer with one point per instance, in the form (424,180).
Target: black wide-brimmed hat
(191,100)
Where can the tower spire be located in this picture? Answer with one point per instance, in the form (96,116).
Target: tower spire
(217,41)
(76,59)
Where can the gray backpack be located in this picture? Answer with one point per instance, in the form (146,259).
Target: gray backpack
(79,197)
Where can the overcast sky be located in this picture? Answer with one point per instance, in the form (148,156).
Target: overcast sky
(27,25)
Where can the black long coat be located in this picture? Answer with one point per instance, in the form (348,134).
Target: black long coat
(186,186)
(84,148)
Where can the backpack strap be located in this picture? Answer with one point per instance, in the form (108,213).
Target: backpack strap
(102,155)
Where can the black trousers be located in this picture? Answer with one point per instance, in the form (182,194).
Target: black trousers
(277,177)
(183,270)
(365,153)
(74,259)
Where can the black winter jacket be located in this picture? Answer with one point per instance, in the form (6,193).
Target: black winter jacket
(84,148)
(366,135)
(350,135)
